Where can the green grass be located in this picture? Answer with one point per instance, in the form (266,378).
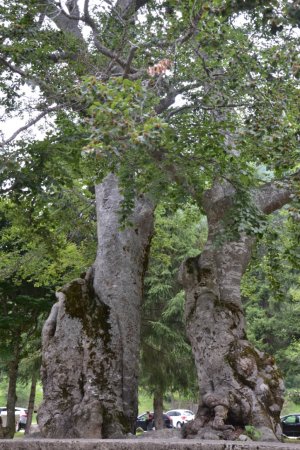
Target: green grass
(145,402)
(290,407)
(19,435)
(23,391)
(291,441)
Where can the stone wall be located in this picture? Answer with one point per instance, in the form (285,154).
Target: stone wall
(139,444)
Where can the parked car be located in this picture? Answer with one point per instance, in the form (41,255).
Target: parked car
(20,416)
(180,416)
(141,421)
(290,425)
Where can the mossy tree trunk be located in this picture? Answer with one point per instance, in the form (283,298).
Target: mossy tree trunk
(239,385)
(91,338)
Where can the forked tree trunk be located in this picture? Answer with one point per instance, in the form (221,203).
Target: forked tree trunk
(91,338)
(239,385)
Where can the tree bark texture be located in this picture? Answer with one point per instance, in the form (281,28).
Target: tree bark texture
(91,338)
(239,385)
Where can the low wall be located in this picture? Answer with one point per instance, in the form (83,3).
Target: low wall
(138,444)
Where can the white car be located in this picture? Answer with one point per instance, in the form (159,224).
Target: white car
(180,416)
(20,416)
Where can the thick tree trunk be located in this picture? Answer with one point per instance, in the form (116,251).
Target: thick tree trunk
(158,405)
(239,385)
(31,403)
(91,338)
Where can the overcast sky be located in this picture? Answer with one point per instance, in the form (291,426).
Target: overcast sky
(9,125)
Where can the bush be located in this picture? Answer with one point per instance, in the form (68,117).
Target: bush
(252,432)
(294,396)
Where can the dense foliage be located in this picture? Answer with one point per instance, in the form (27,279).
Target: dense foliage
(178,234)
(271,295)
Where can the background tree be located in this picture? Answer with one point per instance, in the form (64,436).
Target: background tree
(21,308)
(270,290)
(38,252)
(29,372)
(163,332)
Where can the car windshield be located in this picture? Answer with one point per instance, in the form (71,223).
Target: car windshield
(290,419)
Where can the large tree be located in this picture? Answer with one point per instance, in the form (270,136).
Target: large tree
(236,65)
(100,398)
(239,385)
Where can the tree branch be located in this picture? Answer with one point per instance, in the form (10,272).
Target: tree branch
(129,60)
(13,68)
(272,196)
(175,111)
(23,74)
(189,33)
(72,6)
(101,48)
(29,124)
(61,19)
(69,22)
(127,8)
(110,54)
(169,99)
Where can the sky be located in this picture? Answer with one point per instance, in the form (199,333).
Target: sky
(8,126)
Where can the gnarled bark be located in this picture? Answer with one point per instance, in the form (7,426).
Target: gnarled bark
(239,385)
(91,338)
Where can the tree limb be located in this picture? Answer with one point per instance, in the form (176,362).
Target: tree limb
(64,23)
(29,124)
(129,60)
(13,68)
(169,99)
(127,8)
(110,54)
(272,196)
(189,33)
(72,6)
(69,23)
(26,76)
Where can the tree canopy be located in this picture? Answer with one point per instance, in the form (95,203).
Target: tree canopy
(233,63)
